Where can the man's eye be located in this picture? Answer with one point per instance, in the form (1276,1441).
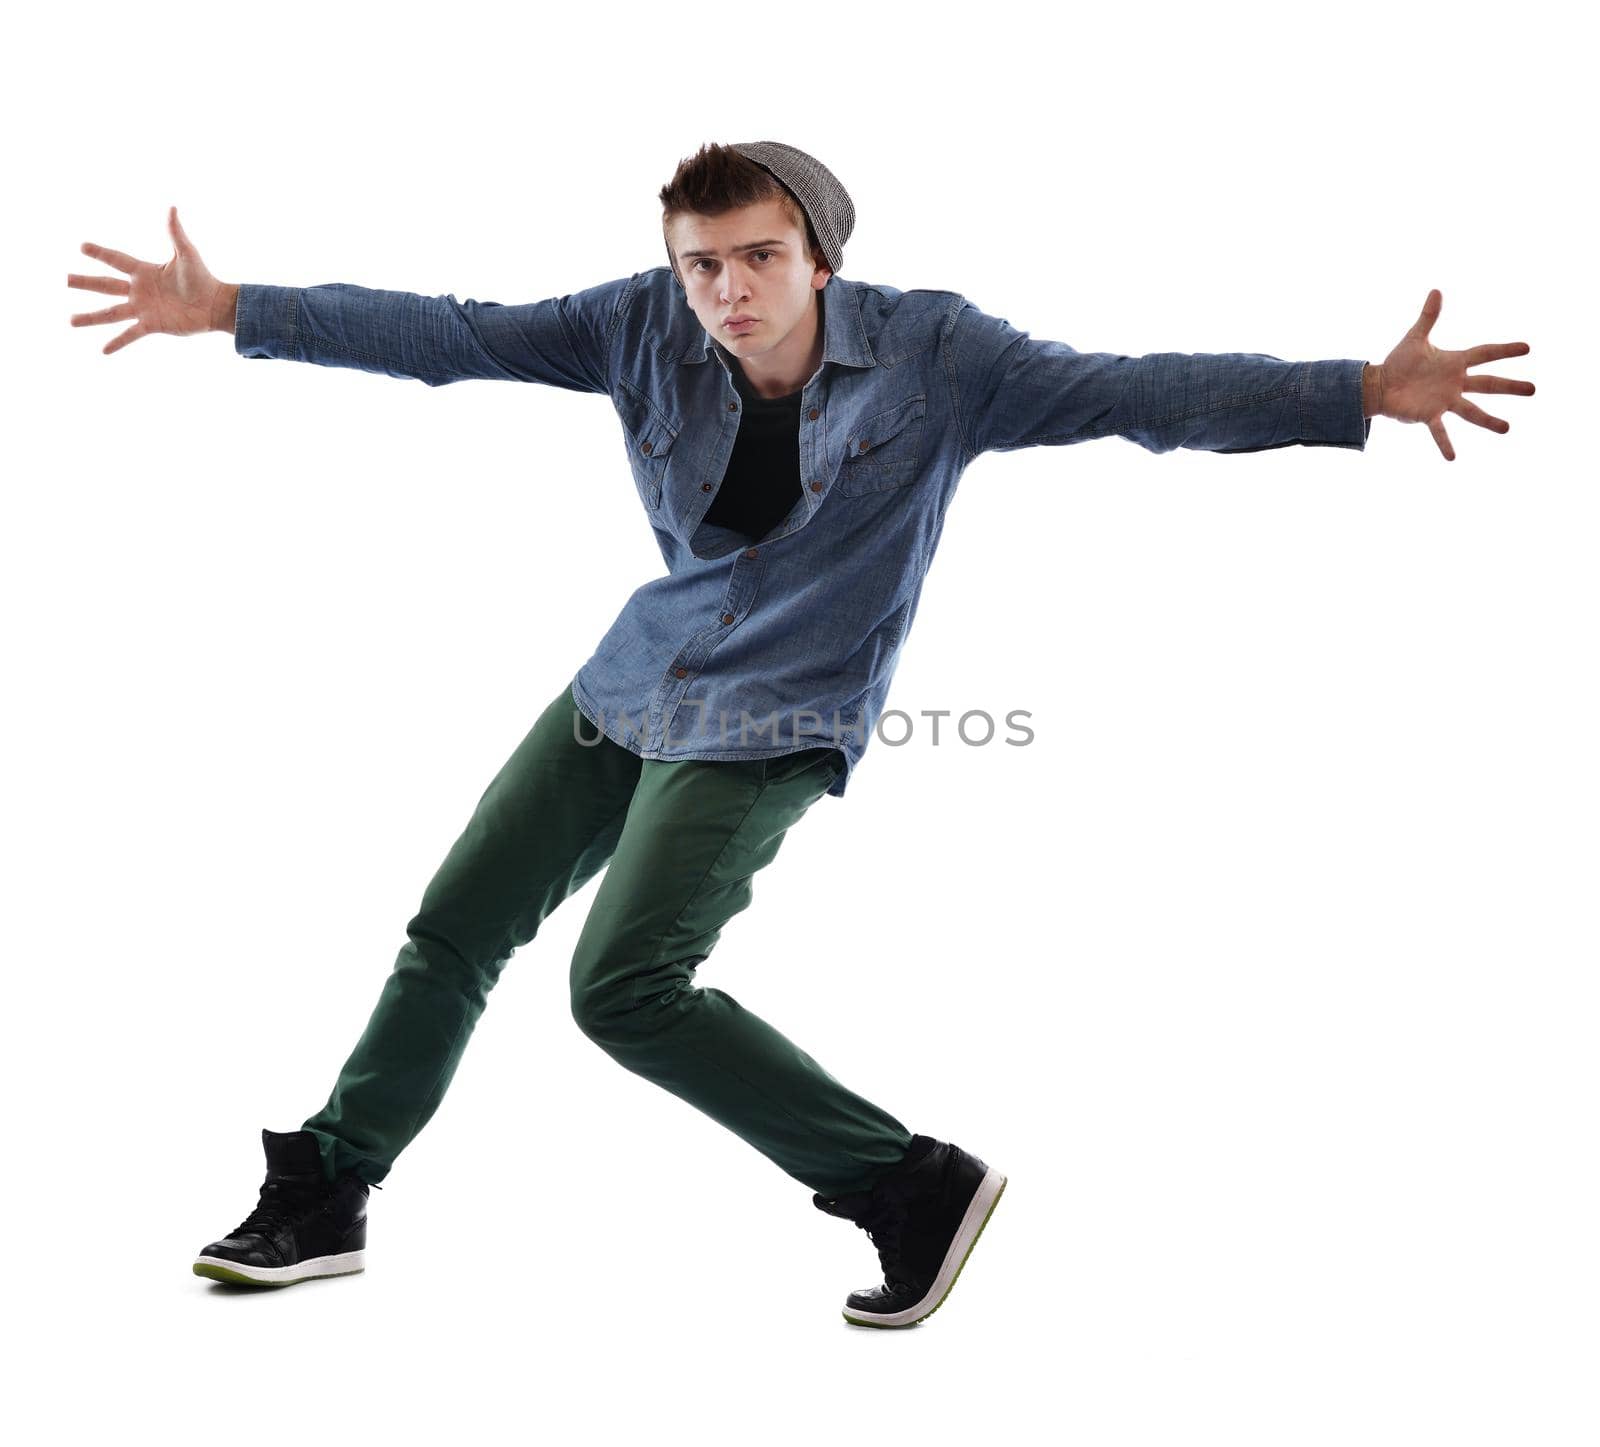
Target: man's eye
(700,260)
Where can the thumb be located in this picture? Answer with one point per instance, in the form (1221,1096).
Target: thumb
(1430,314)
(180,237)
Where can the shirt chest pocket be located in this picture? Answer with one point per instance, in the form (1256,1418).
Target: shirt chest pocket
(649,437)
(885,450)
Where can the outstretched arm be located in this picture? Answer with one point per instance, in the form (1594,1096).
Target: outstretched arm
(1014,391)
(563,341)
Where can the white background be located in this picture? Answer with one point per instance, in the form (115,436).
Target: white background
(1266,972)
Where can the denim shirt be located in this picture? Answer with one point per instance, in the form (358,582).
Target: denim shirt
(748,650)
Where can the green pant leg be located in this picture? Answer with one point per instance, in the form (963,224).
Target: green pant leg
(544,826)
(696,834)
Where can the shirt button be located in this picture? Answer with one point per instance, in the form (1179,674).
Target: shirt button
(705,487)
(727,617)
(816,487)
(733,406)
(750,553)
(864,445)
(681,672)
(813,414)
(645,448)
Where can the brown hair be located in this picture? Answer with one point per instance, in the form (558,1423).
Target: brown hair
(718,179)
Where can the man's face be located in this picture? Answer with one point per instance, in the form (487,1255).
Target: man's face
(726,274)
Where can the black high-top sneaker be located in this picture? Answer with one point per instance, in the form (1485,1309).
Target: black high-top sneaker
(924,1218)
(302,1226)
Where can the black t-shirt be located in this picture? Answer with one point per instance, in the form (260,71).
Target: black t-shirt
(762,482)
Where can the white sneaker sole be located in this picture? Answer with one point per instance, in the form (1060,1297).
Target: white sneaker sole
(977,1216)
(218,1269)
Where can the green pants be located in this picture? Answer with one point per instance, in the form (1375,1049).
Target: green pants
(683,841)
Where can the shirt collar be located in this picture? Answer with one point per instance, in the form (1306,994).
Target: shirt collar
(844,337)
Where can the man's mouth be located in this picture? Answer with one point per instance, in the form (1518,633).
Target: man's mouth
(740,324)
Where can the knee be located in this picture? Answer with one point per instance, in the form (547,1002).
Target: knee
(597,991)
(586,1011)
(613,993)
(607,1018)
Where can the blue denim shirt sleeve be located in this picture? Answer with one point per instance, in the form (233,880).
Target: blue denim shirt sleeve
(1013,391)
(563,341)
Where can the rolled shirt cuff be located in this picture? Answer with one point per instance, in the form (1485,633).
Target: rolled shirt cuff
(264,323)
(1330,406)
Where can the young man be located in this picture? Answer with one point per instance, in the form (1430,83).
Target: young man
(795,440)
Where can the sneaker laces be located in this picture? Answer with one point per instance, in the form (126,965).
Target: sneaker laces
(282,1197)
(280,1200)
(883,1219)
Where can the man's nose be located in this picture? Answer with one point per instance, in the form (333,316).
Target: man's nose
(734,282)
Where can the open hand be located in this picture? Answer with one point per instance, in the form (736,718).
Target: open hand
(178,298)
(1419,383)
